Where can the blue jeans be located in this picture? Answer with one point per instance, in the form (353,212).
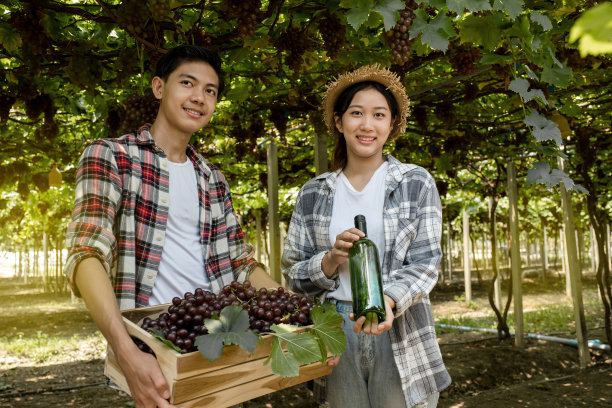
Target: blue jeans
(366,376)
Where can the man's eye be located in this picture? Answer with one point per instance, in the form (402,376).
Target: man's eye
(185,82)
(211,91)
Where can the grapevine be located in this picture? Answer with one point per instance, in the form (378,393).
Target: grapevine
(247,13)
(160,9)
(463,58)
(186,316)
(295,43)
(333,33)
(138,111)
(84,72)
(398,38)
(6,103)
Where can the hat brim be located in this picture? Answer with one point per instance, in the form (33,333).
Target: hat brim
(368,73)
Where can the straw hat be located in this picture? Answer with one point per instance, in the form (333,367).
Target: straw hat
(368,73)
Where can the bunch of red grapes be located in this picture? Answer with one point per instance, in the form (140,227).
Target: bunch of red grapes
(184,320)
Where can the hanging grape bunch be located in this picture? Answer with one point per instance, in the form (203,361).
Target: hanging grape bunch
(130,16)
(333,33)
(186,316)
(139,109)
(295,42)
(247,14)
(463,58)
(36,106)
(84,71)
(160,9)
(398,38)
(6,103)
(27,23)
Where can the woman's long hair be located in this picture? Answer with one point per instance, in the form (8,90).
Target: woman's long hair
(342,104)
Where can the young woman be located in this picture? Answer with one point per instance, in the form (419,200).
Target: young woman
(396,363)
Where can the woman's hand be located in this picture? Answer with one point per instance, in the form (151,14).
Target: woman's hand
(375,328)
(339,253)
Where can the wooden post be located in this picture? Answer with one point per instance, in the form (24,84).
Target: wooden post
(565,262)
(320,142)
(258,238)
(466,257)
(593,250)
(449,251)
(515,253)
(45,259)
(574,271)
(544,250)
(273,217)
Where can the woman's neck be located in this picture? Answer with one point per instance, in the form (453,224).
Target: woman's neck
(360,172)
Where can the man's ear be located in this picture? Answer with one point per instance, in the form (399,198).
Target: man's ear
(338,121)
(157,85)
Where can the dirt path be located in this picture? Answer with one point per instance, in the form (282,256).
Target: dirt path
(486,372)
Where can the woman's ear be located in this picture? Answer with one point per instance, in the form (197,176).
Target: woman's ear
(338,121)
(157,85)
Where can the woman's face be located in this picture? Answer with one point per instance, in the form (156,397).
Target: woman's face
(366,125)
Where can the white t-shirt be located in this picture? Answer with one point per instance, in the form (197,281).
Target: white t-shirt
(348,203)
(181,268)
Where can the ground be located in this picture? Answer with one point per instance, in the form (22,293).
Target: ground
(486,372)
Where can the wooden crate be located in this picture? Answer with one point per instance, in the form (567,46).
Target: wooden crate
(194,381)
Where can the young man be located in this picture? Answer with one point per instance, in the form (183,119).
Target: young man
(154,216)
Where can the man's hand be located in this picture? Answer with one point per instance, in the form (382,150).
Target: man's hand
(372,328)
(145,379)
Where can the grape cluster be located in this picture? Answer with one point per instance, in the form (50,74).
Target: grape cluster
(36,106)
(295,42)
(83,71)
(200,38)
(6,103)
(130,16)
(184,320)
(463,58)
(139,109)
(333,33)
(247,14)
(279,118)
(398,38)
(160,9)
(27,23)
(420,115)
(471,92)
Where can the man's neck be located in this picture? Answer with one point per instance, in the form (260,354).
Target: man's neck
(172,143)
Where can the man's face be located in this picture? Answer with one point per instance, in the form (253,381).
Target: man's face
(188,97)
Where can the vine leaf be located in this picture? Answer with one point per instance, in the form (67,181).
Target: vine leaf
(389,10)
(594,31)
(9,38)
(513,8)
(232,327)
(521,87)
(473,6)
(541,19)
(541,173)
(542,128)
(484,30)
(436,33)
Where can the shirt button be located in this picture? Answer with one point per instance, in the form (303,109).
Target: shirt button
(164,200)
(164,164)
(158,238)
(150,276)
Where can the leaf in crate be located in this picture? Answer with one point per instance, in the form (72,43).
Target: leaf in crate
(303,346)
(281,362)
(159,335)
(284,328)
(210,345)
(233,319)
(326,327)
(322,349)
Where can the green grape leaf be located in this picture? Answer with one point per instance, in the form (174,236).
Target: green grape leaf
(593,29)
(559,76)
(521,87)
(542,128)
(9,38)
(474,6)
(389,9)
(541,173)
(303,346)
(513,8)
(356,17)
(541,19)
(232,327)
(438,32)
(282,363)
(481,30)
(327,328)
(159,335)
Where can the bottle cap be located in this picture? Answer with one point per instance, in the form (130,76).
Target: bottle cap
(360,223)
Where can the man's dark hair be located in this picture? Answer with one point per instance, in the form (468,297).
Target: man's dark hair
(171,60)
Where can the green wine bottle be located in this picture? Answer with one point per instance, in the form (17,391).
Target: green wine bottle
(366,280)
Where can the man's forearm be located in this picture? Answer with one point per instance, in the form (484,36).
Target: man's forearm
(260,279)
(95,288)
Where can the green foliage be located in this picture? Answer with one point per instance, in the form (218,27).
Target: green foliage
(593,30)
